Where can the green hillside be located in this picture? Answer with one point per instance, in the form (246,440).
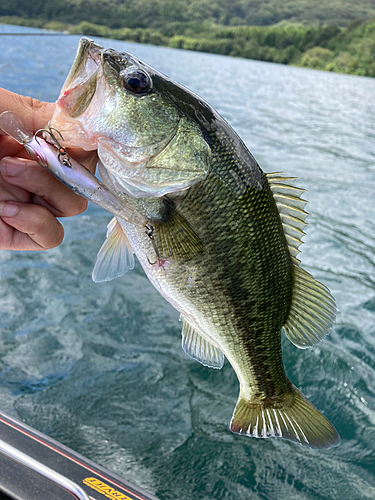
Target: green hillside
(329,34)
(159,13)
(345,50)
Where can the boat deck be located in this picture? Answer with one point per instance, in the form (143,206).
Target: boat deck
(36,467)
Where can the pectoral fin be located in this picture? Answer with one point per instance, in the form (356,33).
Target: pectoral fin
(199,348)
(174,237)
(115,257)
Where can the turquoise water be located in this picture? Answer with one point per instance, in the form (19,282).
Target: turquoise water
(99,366)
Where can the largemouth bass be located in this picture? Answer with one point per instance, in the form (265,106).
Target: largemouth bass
(221,237)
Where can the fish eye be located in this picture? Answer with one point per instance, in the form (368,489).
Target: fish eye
(137,81)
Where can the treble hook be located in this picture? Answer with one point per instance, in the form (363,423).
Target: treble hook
(149,230)
(49,132)
(63,156)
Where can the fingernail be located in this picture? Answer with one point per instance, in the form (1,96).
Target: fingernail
(12,167)
(8,209)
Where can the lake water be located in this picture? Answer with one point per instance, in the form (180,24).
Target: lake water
(100,367)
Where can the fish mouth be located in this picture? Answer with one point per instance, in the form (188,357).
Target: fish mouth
(76,95)
(87,94)
(80,84)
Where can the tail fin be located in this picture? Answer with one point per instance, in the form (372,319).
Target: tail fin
(292,417)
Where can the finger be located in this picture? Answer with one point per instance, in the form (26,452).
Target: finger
(28,227)
(35,114)
(13,193)
(10,147)
(48,191)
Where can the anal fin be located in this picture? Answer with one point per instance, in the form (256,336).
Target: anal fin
(115,257)
(199,348)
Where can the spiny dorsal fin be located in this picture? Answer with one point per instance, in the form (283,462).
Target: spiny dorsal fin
(312,312)
(313,308)
(115,256)
(200,349)
(291,209)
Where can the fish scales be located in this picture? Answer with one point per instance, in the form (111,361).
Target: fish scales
(221,239)
(242,234)
(247,307)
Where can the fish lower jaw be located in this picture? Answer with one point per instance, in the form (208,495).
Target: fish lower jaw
(132,184)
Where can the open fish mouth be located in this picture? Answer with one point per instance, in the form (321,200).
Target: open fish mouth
(86,105)
(109,103)
(80,84)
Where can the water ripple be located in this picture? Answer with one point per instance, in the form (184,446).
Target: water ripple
(100,367)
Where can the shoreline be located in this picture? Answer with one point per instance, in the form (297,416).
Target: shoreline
(327,48)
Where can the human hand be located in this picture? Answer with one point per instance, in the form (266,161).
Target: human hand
(30,197)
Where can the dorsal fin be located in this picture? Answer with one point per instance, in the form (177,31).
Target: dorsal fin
(312,312)
(291,209)
(313,309)
(199,348)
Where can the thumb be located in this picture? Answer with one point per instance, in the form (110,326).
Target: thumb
(35,114)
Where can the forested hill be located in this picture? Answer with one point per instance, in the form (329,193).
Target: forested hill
(221,27)
(158,13)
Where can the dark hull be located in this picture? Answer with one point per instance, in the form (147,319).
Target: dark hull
(44,457)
